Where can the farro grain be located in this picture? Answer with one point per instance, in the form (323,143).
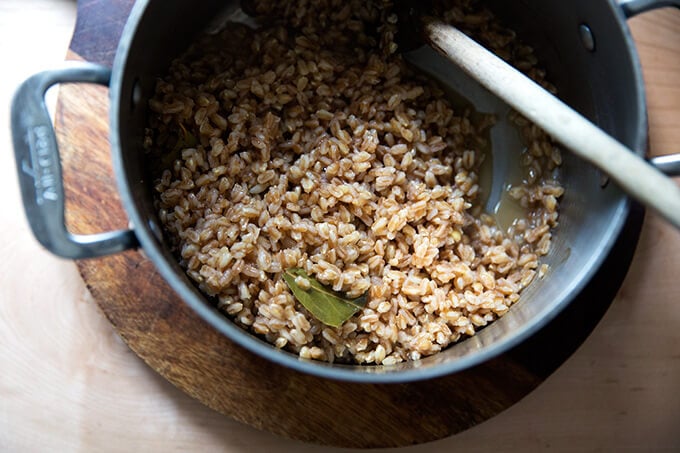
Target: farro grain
(319,148)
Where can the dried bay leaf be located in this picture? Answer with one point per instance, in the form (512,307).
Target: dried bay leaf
(328,306)
(185,139)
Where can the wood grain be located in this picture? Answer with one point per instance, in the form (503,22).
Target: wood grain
(98,24)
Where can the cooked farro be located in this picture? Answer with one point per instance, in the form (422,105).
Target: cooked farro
(317,147)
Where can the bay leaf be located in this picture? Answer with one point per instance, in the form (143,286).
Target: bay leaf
(328,306)
(185,139)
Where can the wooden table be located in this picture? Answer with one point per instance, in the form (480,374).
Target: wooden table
(68,382)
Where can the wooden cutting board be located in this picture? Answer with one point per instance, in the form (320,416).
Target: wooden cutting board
(172,340)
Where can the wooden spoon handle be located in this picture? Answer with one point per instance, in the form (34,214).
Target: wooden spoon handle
(635,176)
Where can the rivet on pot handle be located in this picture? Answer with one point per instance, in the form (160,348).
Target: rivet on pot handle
(634,7)
(39,167)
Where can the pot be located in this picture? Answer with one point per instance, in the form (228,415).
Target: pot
(587,49)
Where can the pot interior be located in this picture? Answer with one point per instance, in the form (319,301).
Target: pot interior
(604,85)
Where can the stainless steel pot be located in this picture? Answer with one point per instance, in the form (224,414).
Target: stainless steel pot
(590,56)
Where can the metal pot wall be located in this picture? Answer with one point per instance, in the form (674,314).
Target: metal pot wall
(586,48)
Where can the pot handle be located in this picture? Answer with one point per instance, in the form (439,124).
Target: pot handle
(634,7)
(39,167)
(669,164)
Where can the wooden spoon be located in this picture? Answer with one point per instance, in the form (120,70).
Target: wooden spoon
(630,172)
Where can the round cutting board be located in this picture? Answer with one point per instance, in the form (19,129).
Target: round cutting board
(190,354)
